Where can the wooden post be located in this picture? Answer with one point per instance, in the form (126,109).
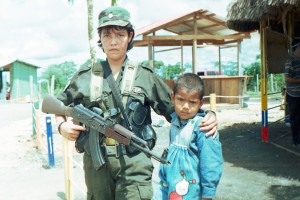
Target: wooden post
(194,53)
(264,82)
(213,101)
(257,83)
(219,54)
(31,89)
(181,57)
(238,59)
(52,84)
(38,129)
(68,168)
(272,83)
(151,55)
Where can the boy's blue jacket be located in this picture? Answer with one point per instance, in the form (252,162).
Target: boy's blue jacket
(196,163)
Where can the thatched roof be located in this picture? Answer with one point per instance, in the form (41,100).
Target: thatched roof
(245,15)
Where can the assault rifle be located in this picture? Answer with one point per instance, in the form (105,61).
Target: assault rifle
(96,122)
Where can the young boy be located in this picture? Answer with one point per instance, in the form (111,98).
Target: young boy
(196,160)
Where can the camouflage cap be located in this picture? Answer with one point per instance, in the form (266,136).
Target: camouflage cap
(114,15)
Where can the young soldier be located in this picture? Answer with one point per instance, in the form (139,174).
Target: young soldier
(126,173)
(196,161)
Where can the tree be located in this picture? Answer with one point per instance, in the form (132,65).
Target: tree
(90,9)
(253,70)
(188,68)
(228,68)
(165,72)
(63,73)
(172,71)
(279,79)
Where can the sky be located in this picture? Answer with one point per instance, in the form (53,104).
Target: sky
(45,32)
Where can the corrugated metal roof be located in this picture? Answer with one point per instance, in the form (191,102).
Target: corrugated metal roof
(201,24)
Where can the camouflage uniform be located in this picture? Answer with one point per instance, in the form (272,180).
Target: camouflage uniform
(126,176)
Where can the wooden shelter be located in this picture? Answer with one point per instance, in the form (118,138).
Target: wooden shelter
(278,21)
(23,80)
(195,29)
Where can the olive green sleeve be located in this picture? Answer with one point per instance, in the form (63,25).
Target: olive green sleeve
(77,90)
(157,93)
(161,98)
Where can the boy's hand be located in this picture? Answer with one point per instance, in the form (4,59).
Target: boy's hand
(209,123)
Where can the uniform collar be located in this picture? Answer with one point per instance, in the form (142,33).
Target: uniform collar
(176,121)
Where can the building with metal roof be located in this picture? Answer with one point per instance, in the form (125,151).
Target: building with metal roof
(22,79)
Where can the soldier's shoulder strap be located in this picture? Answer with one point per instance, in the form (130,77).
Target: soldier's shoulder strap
(128,80)
(96,83)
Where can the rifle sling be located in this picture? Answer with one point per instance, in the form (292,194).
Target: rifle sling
(116,94)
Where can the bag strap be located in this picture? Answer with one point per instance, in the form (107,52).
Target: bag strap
(116,94)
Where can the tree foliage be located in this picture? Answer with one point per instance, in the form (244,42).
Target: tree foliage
(165,71)
(157,64)
(169,71)
(62,72)
(227,68)
(254,70)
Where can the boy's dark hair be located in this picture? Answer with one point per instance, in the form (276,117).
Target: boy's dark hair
(128,28)
(191,82)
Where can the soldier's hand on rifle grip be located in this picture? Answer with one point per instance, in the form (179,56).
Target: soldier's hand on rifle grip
(70,129)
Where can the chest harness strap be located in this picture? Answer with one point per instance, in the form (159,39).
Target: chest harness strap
(96,82)
(126,85)
(128,79)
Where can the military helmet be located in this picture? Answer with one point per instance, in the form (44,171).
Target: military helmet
(114,15)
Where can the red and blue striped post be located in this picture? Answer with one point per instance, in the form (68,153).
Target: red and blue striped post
(264,82)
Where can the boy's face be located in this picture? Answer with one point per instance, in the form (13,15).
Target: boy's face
(115,42)
(186,103)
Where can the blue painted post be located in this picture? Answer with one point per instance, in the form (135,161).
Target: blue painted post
(50,142)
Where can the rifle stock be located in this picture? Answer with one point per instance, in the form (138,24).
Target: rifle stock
(93,120)
(52,105)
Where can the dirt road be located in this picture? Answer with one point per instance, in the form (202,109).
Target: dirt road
(252,169)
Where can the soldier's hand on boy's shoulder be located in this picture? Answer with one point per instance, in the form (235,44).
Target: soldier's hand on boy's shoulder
(209,123)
